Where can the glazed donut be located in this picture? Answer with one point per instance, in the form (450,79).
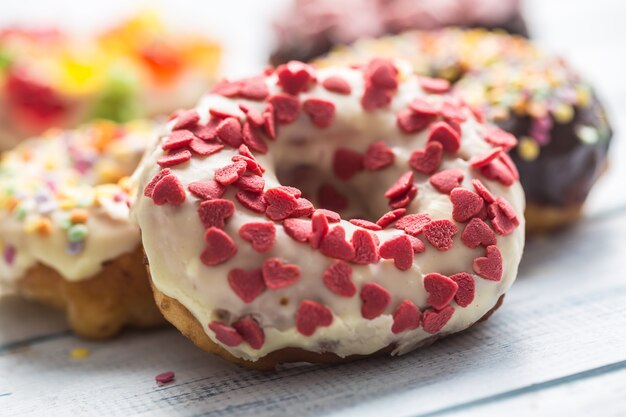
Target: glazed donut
(65,236)
(311,28)
(138,69)
(319,215)
(561,125)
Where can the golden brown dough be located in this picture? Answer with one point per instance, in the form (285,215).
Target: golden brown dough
(100,306)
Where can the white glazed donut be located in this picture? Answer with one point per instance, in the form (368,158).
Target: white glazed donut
(242,263)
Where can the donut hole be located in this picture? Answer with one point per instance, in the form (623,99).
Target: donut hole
(361,197)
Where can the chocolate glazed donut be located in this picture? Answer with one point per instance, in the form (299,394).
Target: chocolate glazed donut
(561,124)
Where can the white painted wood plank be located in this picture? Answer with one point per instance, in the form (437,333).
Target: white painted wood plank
(563,317)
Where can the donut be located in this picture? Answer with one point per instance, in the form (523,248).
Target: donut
(311,28)
(326,215)
(65,234)
(137,69)
(562,126)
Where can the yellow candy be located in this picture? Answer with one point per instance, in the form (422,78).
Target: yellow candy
(528,149)
(563,113)
(80,353)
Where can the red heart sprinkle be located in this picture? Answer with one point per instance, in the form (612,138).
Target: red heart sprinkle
(502,217)
(483,191)
(251,164)
(347,163)
(427,161)
(510,165)
(499,137)
(378,156)
(295,77)
(477,233)
(338,279)
(269,121)
(226,88)
(452,112)
(401,186)
(485,159)
(229,132)
(319,229)
(390,217)
(375,97)
(365,248)
(278,274)
(423,108)
(439,233)
(466,204)
(248,285)
(290,190)
(185,119)
(490,266)
(254,88)
(280,203)
(447,180)
(331,216)
(174,158)
(214,213)
(168,190)
(433,320)
(375,300)
(406,317)
(253,116)
(382,73)
(252,138)
(411,122)
(225,333)
(261,235)
(177,139)
(467,287)
(405,199)
(286,107)
(202,148)
(365,224)
(334,244)
(320,111)
(305,208)
(400,250)
(251,201)
(441,290)
(223,113)
(207,132)
(206,190)
(219,247)
(331,199)
(250,331)
(153,182)
(311,315)
(496,170)
(434,85)
(413,224)
(443,133)
(417,244)
(298,229)
(230,173)
(252,183)
(337,85)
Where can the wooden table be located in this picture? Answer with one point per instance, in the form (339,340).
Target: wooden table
(557,346)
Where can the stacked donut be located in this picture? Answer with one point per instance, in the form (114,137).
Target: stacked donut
(65,234)
(318,215)
(52,79)
(561,125)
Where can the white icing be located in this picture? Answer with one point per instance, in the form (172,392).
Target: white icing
(51,161)
(173,236)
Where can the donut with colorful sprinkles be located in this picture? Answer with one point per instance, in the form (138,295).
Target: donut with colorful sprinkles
(562,126)
(321,215)
(65,233)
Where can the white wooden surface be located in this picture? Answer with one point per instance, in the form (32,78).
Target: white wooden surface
(557,346)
